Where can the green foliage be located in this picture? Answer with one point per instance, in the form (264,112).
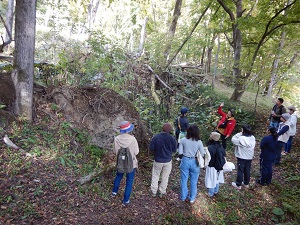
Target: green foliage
(54,142)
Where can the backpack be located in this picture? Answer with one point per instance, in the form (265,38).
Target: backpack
(220,159)
(124,161)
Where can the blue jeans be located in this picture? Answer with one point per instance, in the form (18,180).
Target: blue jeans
(129,182)
(274,124)
(243,173)
(212,191)
(288,145)
(189,168)
(266,171)
(280,144)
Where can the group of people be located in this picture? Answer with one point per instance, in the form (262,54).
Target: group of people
(164,145)
(282,129)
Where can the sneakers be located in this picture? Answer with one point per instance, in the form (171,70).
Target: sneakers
(152,194)
(162,195)
(113,194)
(125,203)
(245,185)
(237,187)
(258,181)
(284,153)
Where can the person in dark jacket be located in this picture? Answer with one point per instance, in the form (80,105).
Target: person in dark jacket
(162,145)
(182,122)
(277,110)
(268,147)
(226,124)
(213,177)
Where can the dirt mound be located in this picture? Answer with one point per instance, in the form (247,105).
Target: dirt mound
(99,110)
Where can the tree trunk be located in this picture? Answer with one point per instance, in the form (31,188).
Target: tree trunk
(209,53)
(143,36)
(237,40)
(275,65)
(216,64)
(172,29)
(92,12)
(22,74)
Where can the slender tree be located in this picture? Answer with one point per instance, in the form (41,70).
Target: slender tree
(22,74)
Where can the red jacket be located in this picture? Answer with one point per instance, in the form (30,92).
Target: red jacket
(230,125)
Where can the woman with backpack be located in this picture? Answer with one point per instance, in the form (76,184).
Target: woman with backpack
(244,151)
(189,168)
(226,124)
(127,163)
(214,171)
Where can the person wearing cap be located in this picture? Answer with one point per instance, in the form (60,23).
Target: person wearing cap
(283,135)
(267,156)
(126,140)
(212,177)
(226,124)
(293,125)
(162,145)
(189,168)
(244,143)
(181,123)
(277,110)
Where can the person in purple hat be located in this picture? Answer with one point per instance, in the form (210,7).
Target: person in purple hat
(126,140)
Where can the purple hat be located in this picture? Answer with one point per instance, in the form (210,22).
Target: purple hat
(126,127)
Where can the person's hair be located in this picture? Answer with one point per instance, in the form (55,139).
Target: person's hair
(247,130)
(193,133)
(281,100)
(273,132)
(232,112)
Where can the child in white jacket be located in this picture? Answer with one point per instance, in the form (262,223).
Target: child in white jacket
(244,151)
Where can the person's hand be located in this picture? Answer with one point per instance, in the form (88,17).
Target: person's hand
(222,104)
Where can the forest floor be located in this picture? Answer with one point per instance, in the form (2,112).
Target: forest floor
(45,190)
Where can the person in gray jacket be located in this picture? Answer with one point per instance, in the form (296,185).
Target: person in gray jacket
(283,135)
(244,151)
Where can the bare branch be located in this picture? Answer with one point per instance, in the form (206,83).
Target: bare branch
(9,34)
(189,36)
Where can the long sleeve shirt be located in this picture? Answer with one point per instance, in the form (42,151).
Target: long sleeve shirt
(189,148)
(163,145)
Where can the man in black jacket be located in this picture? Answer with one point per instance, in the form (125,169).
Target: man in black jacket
(277,110)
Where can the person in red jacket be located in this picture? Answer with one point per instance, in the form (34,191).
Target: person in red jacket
(226,124)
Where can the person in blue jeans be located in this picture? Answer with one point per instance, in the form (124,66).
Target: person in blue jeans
(268,147)
(125,140)
(292,130)
(277,110)
(244,151)
(283,135)
(189,168)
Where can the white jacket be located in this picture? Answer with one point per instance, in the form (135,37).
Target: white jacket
(285,136)
(244,146)
(293,123)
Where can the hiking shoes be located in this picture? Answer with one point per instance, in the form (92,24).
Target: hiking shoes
(235,186)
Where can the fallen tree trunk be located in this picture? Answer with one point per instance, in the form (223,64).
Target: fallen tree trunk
(97,173)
